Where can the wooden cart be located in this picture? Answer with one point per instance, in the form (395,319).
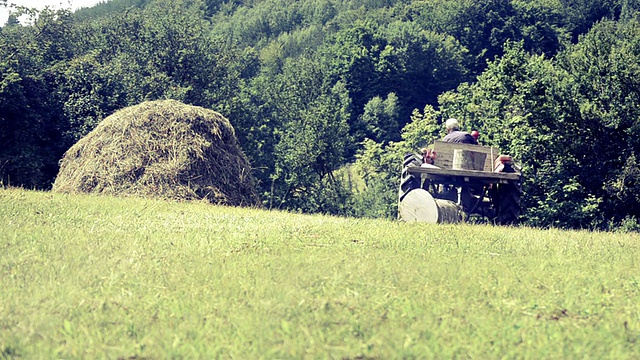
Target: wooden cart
(462,182)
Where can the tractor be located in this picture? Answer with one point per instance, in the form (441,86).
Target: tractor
(453,182)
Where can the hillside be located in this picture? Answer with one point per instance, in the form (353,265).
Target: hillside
(92,276)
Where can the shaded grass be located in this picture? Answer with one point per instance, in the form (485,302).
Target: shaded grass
(102,277)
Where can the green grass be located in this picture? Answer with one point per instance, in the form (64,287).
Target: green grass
(103,277)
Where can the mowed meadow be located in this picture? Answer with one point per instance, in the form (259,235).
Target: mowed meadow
(130,278)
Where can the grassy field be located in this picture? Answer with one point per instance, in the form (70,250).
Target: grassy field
(103,277)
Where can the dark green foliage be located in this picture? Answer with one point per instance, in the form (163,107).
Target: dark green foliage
(525,105)
(162,51)
(381,118)
(484,26)
(582,14)
(571,122)
(378,165)
(605,66)
(108,8)
(88,93)
(30,122)
(311,134)
(24,145)
(398,58)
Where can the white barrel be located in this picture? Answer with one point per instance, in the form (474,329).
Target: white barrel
(419,205)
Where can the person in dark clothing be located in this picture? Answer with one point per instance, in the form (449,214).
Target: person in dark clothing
(475,134)
(454,134)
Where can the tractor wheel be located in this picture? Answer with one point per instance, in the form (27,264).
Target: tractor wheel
(408,182)
(411,159)
(506,199)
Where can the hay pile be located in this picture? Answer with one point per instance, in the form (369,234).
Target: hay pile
(162,149)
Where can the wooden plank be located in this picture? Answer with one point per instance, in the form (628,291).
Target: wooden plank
(465,173)
(444,154)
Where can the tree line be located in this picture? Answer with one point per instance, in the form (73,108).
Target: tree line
(327,95)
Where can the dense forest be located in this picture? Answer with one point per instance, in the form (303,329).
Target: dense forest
(326,96)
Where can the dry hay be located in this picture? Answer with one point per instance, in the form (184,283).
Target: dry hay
(162,149)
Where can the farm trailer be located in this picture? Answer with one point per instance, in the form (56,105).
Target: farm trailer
(457,182)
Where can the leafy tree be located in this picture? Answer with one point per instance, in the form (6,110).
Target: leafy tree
(604,64)
(12,20)
(351,55)
(312,136)
(29,122)
(378,164)
(161,51)
(381,118)
(418,65)
(290,45)
(629,9)
(570,122)
(88,93)
(541,24)
(484,26)
(525,105)
(400,58)
(106,9)
(581,15)
(258,23)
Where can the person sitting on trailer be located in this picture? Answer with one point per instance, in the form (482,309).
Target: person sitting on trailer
(476,135)
(455,135)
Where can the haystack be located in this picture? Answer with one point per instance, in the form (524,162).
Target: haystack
(162,149)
